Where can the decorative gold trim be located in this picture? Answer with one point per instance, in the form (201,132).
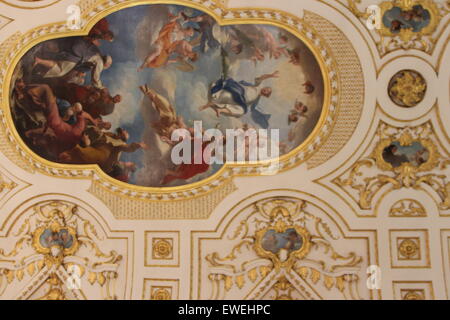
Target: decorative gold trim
(406,169)
(161,283)
(408,248)
(362,186)
(231,271)
(407,88)
(94,264)
(174,261)
(351,98)
(424,262)
(406,39)
(8,21)
(407,34)
(55,227)
(407,208)
(425,286)
(282,227)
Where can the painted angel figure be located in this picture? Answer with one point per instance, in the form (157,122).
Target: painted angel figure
(206,24)
(167,124)
(172,39)
(232,98)
(249,42)
(168,118)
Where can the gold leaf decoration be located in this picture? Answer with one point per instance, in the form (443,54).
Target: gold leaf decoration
(240,281)
(303,272)
(264,271)
(315,275)
(9,275)
(19,274)
(253,274)
(228,283)
(40,264)
(31,268)
(340,284)
(328,282)
(92,277)
(101,279)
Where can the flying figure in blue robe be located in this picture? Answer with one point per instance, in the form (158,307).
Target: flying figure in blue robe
(232,98)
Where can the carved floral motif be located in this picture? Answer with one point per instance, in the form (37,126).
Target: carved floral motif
(55,244)
(291,247)
(402,158)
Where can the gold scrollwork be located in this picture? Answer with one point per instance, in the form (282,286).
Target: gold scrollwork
(283,258)
(407,88)
(406,158)
(282,241)
(407,208)
(55,229)
(407,34)
(402,36)
(48,243)
(406,171)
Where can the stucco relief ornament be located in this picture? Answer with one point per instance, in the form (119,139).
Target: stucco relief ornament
(407,88)
(407,208)
(408,248)
(59,248)
(403,24)
(401,158)
(283,246)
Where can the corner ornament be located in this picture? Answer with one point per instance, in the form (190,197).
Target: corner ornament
(402,24)
(402,158)
(56,247)
(281,247)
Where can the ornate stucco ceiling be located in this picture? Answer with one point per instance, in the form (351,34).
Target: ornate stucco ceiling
(365,198)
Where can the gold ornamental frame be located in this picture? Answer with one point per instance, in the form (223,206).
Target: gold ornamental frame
(281,227)
(407,34)
(406,168)
(273,17)
(55,227)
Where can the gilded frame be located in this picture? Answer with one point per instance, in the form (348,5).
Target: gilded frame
(282,227)
(55,227)
(406,168)
(407,34)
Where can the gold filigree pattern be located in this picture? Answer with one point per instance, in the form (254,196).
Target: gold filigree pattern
(159,293)
(407,88)
(162,248)
(413,294)
(56,242)
(351,97)
(399,35)
(289,244)
(409,249)
(401,158)
(413,290)
(407,208)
